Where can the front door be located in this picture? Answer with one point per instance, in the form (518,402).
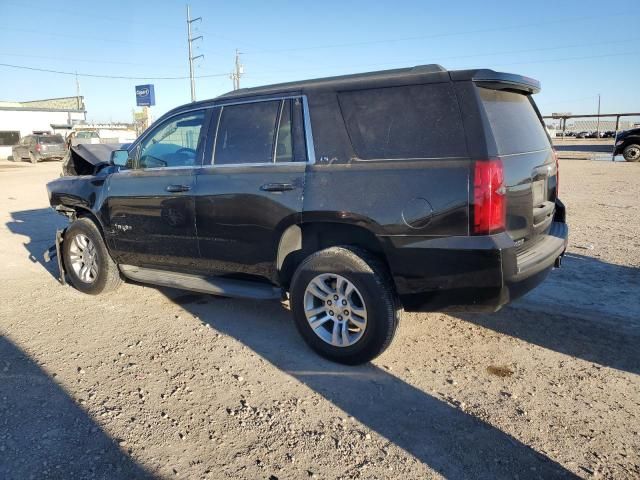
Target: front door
(150,206)
(251,189)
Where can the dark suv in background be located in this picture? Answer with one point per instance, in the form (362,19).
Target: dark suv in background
(39,147)
(628,145)
(356,196)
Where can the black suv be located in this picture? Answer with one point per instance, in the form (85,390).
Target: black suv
(356,196)
(628,145)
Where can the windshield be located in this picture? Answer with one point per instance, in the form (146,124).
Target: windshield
(51,139)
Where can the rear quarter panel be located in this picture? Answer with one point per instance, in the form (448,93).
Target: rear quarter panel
(391,197)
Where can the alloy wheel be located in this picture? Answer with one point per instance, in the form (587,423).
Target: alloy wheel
(335,310)
(84,258)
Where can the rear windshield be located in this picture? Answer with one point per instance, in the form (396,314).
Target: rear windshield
(51,139)
(414,121)
(514,122)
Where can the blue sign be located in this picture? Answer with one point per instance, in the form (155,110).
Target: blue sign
(145,96)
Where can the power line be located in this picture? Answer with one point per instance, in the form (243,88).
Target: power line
(435,35)
(81,60)
(126,77)
(115,77)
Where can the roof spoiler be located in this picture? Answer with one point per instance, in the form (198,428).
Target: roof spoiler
(505,81)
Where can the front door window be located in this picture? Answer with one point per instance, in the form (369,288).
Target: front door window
(174,143)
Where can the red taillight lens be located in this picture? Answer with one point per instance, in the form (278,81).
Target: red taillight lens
(38,147)
(489,200)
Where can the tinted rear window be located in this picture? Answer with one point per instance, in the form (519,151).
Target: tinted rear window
(514,122)
(414,121)
(51,139)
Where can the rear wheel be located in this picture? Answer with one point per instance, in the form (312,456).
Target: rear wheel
(87,261)
(631,153)
(344,304)
(32,158)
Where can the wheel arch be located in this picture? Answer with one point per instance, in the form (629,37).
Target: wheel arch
(301,240)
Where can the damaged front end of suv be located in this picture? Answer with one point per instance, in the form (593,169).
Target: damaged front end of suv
(78,189)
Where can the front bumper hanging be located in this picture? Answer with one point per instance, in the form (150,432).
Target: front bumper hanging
(56,251)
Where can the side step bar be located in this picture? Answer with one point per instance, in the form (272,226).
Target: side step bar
(225,287)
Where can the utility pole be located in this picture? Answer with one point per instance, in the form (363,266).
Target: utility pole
(238,72)
(598,126)
(190,40)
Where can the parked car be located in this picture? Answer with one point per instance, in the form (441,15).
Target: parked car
(582,135)
(354,196)
(39,147)
(628,145)
(83,137)
(609,134)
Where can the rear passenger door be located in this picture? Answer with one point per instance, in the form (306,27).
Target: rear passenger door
(251,189)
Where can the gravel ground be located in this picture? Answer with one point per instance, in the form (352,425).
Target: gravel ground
(158,383)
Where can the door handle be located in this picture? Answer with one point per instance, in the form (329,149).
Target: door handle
(178,188)
(277,187)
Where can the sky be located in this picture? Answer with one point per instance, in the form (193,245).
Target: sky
(577,49)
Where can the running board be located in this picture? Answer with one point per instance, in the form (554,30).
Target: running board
(226,287)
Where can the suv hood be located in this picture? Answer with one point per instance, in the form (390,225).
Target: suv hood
(88,159)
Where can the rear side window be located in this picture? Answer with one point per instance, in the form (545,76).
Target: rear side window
(414,121)
(514,122)
(246,133)
(290,145)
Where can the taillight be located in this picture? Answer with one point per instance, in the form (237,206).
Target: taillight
(38,147)
(489,197)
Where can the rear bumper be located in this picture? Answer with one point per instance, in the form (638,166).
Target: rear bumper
(471,273)
(49,155)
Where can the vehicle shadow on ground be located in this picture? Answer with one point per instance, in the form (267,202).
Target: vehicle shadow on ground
(44,434)
(40,226)
(579,311)
(438,434)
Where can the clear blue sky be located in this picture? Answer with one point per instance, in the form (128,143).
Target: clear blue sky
(577,49)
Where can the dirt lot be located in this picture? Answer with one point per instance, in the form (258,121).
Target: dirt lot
(159,383)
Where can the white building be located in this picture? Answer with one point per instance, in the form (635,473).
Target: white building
(54,115)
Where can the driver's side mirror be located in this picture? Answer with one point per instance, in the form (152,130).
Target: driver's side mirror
(120,158)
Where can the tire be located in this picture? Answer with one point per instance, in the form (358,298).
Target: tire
(83,238)
(631,153)
(32,158)
(372,298)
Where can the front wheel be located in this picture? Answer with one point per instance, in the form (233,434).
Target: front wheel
(344,304)
(631,153)
(87,261)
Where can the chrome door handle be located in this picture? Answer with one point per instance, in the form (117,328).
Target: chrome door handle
(277,187)
(178,188)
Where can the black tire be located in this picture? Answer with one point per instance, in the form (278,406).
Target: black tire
(107,277)
(373,283)
(631,153)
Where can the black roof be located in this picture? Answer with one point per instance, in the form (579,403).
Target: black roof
(342,81)
(384,78)
(413,75)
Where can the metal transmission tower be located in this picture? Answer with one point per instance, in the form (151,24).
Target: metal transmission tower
(238,71)
(190,40)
